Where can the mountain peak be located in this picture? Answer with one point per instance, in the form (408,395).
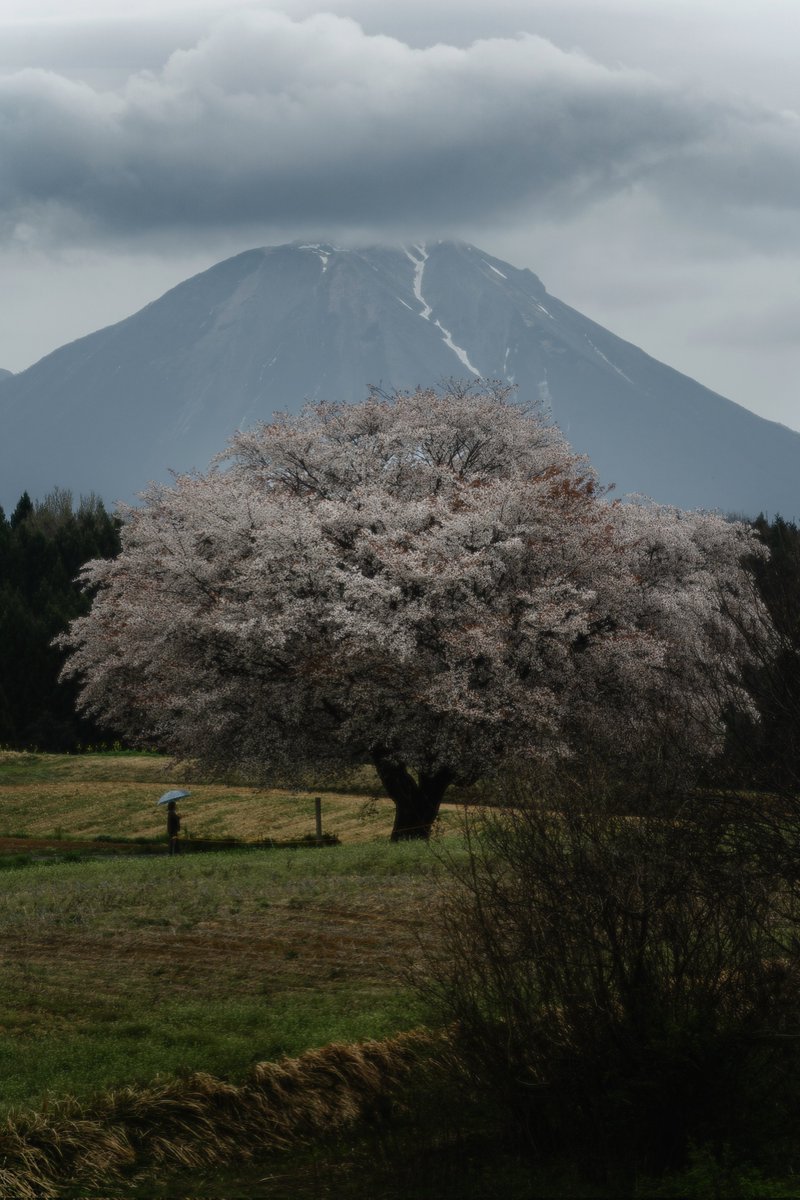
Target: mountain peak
(275,326)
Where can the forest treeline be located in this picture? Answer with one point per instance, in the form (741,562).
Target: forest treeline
(44,544)
(765,752)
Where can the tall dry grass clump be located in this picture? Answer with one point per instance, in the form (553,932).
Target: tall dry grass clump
(202,1121)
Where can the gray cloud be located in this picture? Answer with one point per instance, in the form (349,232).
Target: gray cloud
(776,328)
(751,162)
(269,119)
(642,158)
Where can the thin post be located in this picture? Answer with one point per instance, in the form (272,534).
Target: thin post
(318,815)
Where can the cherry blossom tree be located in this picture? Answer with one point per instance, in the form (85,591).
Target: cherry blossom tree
(430,582)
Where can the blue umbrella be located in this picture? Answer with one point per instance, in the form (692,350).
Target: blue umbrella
(169,796)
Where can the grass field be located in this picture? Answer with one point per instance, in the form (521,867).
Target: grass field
(114,970)
(91,795)
(120,969)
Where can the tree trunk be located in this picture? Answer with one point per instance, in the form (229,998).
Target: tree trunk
(416,801)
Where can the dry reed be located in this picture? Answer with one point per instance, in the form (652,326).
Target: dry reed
(201,1121)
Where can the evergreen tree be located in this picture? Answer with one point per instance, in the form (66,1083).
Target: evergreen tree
(22,511)
(764,751)
(42,549)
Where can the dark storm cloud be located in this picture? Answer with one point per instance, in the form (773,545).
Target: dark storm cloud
(269,119)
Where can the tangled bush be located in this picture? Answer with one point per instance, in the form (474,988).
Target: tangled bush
(626,986)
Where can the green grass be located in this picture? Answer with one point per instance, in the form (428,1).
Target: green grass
(109,766)
(134,1043)
(117,970)
(114,971)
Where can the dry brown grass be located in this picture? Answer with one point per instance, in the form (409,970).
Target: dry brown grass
(87,796)
(88,809)
(202,1121)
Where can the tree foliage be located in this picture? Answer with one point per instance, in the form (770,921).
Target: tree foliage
(42,549)
(432,582)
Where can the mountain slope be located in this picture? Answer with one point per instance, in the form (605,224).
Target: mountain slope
(271,327)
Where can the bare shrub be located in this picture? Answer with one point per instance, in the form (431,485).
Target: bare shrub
(623,985)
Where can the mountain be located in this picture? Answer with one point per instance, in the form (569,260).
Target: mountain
(271,327)
(4,374)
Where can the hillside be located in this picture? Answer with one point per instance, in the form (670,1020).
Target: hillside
(272,327)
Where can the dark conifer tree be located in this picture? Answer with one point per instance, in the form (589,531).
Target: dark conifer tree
(42,549)
(766,752)
(22,511)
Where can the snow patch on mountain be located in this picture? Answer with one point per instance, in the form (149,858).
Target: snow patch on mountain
(324,252)
(419,267)
(447,337)
(608,361)
(491,268)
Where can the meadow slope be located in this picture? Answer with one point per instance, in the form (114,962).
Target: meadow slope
(114,970)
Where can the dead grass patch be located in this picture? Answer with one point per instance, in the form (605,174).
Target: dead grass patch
(201,1121)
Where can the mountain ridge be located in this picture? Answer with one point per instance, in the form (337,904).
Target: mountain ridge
(274,326)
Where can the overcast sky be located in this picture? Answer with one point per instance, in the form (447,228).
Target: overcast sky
(641,156)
